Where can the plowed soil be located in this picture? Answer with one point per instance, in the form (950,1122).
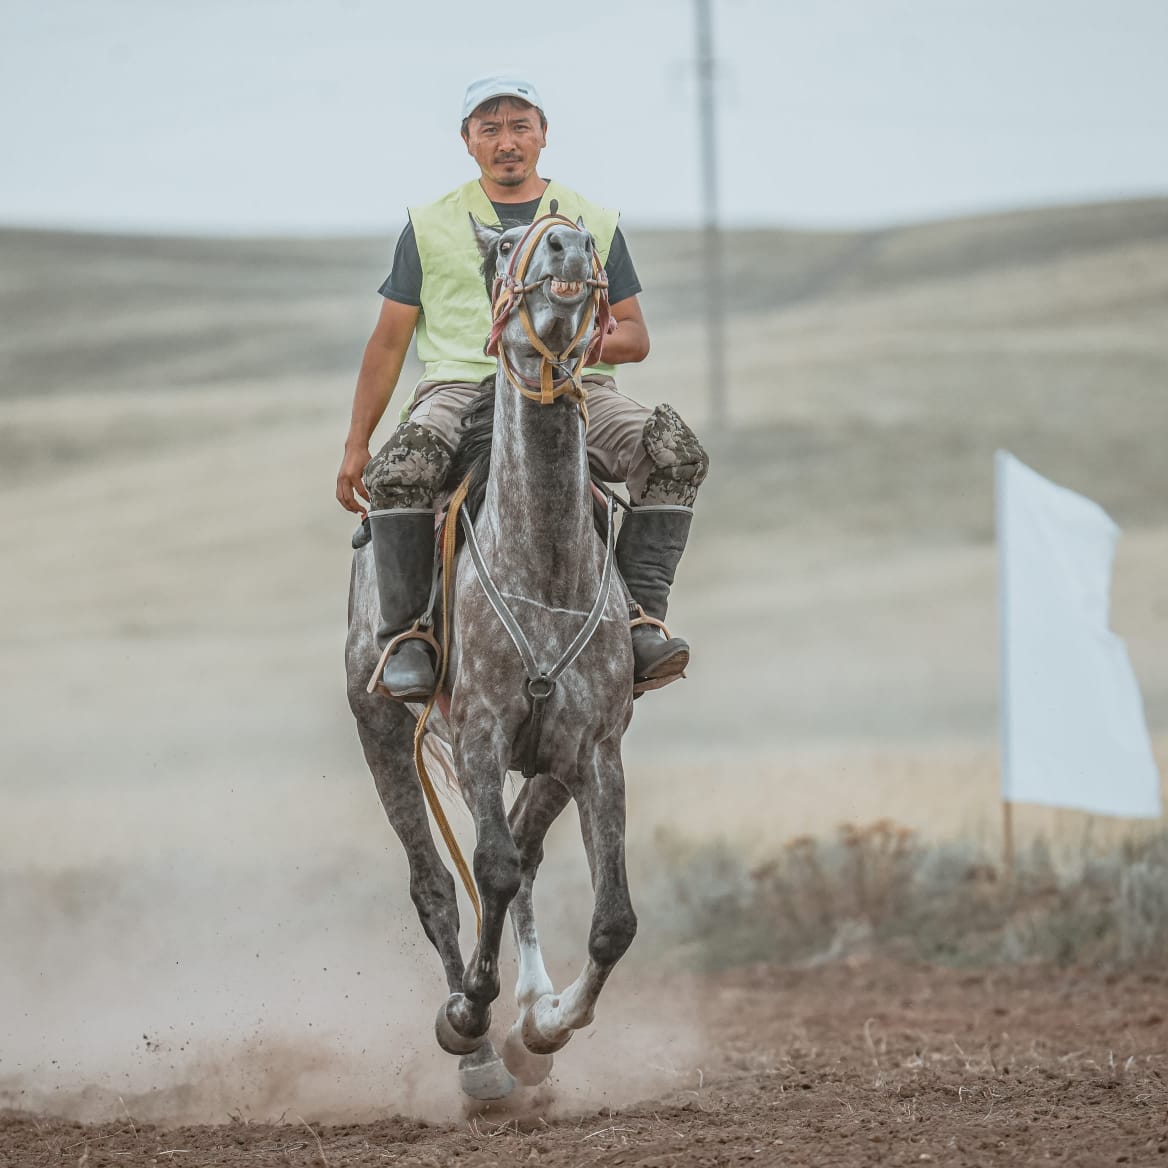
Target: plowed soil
(851,1064)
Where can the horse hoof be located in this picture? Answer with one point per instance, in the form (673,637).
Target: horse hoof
(527,1066)
(450,1039)
(482,1075)
(542,1040)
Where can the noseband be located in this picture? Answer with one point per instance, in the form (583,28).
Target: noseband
(508,295)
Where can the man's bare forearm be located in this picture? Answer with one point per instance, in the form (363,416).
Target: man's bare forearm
(629,339)
(628,343)
(381,366)
(380,369)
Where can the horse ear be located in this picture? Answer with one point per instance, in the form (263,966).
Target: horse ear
(580,222)
(485,235)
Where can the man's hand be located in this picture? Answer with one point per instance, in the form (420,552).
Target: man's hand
(350,488)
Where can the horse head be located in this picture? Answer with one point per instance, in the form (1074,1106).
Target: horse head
(548,290)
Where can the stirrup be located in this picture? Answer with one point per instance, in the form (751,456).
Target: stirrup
(640,687)
(414,633)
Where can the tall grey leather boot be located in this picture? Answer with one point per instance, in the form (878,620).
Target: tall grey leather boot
(403,553)
(651,541)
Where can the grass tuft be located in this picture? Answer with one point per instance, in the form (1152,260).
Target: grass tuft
(877,888)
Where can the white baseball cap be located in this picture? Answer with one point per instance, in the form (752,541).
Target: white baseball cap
(487,88)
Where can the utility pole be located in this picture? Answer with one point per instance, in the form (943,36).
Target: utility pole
(711,241)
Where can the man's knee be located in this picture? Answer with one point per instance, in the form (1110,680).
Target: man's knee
(679,462)
(409,470)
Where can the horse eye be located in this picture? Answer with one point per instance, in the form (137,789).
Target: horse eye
(505,245)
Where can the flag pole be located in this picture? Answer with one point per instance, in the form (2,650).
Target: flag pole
(1003,664)
(1008,840)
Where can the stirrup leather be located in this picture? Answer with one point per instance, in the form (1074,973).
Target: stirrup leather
(415,632)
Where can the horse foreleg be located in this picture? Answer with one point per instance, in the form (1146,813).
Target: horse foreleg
(539,803)
(387,732)
(538,806)
(465,1017)
(549,1022)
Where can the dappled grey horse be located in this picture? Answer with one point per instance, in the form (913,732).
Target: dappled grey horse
(540,672)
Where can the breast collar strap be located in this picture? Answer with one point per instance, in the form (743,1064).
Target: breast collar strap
(541,683)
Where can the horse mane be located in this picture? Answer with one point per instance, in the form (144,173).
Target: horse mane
(490,264)
(491,255)
(473,457)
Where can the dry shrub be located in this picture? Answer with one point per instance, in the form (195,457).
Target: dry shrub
(866,875)
(877,887)
(1143,903)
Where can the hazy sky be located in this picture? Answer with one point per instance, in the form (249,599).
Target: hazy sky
(306,115)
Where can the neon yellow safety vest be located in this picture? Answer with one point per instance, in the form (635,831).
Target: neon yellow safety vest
(456,313)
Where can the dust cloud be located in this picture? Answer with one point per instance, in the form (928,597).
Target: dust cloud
(273,973)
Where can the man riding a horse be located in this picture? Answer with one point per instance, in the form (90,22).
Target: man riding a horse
(435,291)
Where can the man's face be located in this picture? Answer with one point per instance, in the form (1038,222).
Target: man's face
(507,143)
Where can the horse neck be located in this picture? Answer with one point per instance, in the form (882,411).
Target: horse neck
(538,501)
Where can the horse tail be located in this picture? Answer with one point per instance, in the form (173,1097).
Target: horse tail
(440,758)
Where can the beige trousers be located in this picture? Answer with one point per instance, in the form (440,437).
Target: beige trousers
(616,426)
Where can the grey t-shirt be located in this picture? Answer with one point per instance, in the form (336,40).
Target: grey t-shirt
(404,282)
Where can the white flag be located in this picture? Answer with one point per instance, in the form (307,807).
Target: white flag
(1073,729)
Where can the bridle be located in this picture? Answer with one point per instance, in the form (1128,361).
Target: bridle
(508,295)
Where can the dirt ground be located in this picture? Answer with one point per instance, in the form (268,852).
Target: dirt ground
(854,1063)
